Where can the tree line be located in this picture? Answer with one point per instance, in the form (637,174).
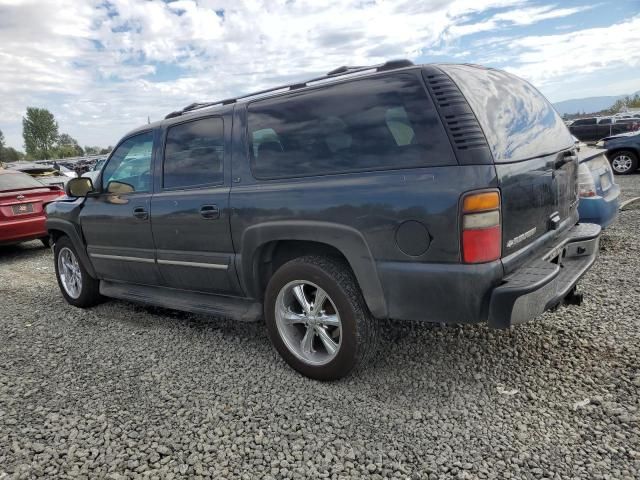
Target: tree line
(619,106)
(42,140)
(627,102)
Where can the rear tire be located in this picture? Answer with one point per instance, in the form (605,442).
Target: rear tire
(623,162)
(325,341)
(77,286)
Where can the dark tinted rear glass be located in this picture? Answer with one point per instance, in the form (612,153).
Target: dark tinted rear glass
(517,120)
(585,121)
(368,124)
(194,153)
(12,181)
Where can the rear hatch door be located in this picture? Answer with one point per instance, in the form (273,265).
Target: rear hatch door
(535,160)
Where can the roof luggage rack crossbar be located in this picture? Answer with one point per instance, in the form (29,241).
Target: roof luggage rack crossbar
(338,72)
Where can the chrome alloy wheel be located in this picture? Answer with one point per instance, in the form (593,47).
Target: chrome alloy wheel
(621,163)
(69,271)
(308,322)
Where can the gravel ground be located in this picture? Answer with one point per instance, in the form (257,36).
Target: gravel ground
(125,391)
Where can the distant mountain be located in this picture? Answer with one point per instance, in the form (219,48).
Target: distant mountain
(587,105)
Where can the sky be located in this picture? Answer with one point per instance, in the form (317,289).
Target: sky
(103,67)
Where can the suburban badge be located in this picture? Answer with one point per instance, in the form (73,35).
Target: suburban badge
(522,237)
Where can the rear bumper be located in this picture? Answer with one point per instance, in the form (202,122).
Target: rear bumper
(544,282)
(459,293)
(600,210)
(14,231)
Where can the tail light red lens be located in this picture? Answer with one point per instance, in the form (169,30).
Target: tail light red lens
(481,227)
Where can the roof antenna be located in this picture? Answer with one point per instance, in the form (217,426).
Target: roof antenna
(148,120)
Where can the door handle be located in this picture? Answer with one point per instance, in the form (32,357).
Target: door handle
(209,211)
(141,213)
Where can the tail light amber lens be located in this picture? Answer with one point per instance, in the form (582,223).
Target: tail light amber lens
(481,227)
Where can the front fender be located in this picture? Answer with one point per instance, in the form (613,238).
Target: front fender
(62,218)
(346,239)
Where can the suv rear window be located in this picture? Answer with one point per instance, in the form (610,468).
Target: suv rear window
(518,121)
(361,125)
(13,181)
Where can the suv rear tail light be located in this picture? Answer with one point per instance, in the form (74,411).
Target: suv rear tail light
(586,185)
(481,227)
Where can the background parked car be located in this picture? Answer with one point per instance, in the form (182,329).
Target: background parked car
(599,194)
(46,175)
(22,202)
(95,170)
(60,167)
(594,128)
(623,152)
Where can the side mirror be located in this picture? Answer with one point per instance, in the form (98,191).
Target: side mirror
(119,187)
(78,187)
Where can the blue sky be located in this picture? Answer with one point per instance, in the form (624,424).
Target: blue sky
(103,66)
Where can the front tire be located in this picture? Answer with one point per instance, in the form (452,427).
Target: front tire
(623,162)
(77,286)
(317,318)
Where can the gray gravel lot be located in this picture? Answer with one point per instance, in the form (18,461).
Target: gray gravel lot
(125,391)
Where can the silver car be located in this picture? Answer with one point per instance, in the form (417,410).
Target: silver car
(45,174)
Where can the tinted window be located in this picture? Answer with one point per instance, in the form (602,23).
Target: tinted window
(131,163)
(605,121)
(517,120)
(11,181)
(368,124)
(194,154)
(585,121)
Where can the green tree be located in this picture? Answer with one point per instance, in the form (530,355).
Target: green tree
(628,102)
(67,146)
(10,154)
(40,132)
(91,150)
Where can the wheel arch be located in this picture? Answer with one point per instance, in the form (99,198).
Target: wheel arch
(613,151)
(267,246)
(58,228)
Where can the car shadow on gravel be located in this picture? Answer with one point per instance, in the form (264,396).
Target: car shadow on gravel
(409,353)
(474,357)
(22,251)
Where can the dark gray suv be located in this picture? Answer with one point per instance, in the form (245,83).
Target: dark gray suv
(437,193)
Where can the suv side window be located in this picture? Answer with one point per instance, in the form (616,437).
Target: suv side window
(585,121)
(361,125)
(131,163)
(194,153)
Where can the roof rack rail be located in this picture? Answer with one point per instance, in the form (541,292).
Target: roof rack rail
(340,71)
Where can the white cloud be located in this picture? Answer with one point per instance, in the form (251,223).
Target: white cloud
(529,16)
(514,17)
(89,62)
(92,63)
(550,59)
